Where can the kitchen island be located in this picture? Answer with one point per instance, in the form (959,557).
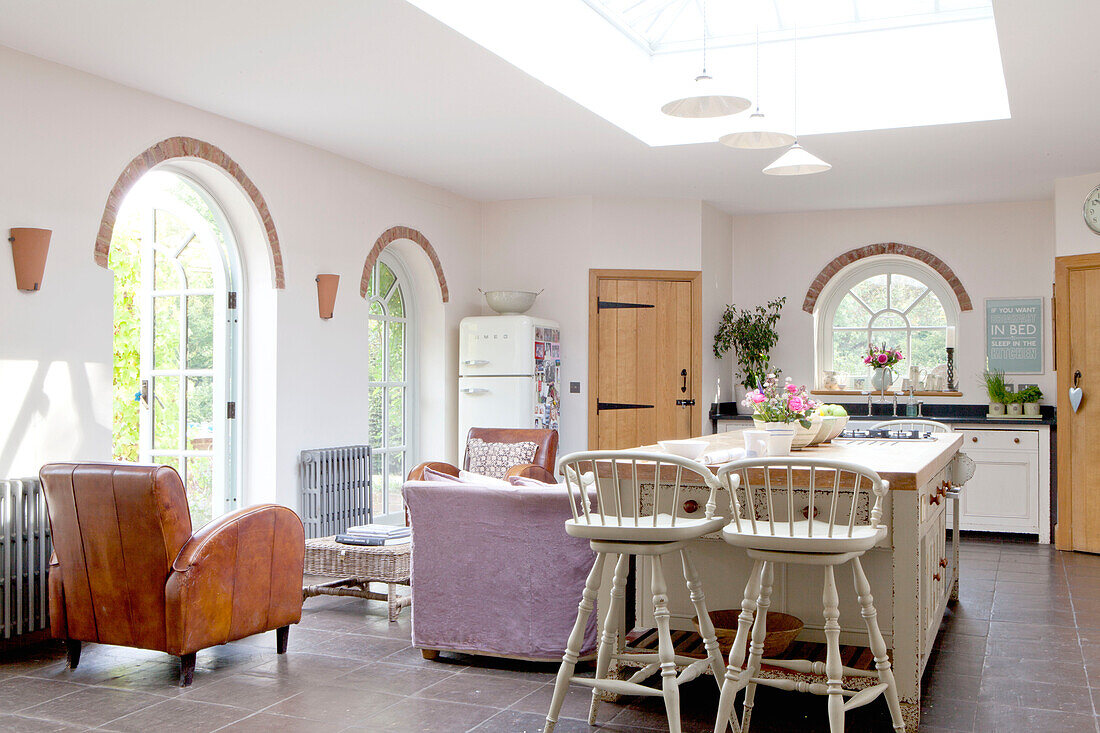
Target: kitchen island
(912,571)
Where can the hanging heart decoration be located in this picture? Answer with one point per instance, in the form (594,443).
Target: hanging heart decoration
(1076,394)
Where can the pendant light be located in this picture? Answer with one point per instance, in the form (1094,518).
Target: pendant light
(758,134)
(704,98)
(797,161)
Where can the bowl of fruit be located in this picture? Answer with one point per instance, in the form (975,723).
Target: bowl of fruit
(839,420)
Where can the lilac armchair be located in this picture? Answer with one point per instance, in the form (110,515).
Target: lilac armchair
(493,571)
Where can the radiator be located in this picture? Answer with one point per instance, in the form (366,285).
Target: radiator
(25,534)
(335,489)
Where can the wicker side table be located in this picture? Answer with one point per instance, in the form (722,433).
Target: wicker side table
(357,567)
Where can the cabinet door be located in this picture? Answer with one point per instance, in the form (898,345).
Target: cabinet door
(1003,495)
(932,583)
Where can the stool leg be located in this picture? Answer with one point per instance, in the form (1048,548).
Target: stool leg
(611,630)
(706,627)
(730,685)
(834,668)
(576,640)
(878,644)
(756,649)
(391,598)
(666,652)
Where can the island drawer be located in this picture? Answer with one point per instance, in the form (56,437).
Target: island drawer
(1000,439)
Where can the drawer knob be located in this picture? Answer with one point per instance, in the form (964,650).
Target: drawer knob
(691,506)
(933,499)
(975,439)
(935,576)
(1015,440)
(943,562)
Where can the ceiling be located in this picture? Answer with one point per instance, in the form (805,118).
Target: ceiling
(381,82)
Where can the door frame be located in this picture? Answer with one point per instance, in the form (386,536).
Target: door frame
(1063,266)
(695,277)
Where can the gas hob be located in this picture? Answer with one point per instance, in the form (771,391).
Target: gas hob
(883,434)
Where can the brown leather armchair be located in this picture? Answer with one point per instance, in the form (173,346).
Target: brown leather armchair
(540,468)
(128,571)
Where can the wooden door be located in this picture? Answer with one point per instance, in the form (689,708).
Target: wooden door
(1078,342)
(644,357)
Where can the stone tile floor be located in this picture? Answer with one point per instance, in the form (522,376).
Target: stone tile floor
(1020,652)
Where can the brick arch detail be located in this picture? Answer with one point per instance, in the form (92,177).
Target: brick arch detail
(185,147)
(392,235)
(886,248)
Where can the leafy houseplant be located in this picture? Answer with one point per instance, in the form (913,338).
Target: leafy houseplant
(1014,404)
(1030,397)
(995,388)
(751,334)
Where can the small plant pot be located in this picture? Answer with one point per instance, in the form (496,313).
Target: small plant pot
(1015,409)
(996,408)
(1031,409)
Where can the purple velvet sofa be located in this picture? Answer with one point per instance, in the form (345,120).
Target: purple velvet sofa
(493,571)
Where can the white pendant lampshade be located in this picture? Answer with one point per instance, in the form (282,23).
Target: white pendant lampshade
(758,135)
(797,161)
(705,98)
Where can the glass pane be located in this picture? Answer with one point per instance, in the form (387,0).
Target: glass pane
(172,461)
(888,319)
(200,413)
(396,352)
(375,415)
(395,416)
(376,308)
(166,276)
(929,349)
(195,259)
(377,485)
(168,231)
(851,313)
(397,303)
(872,291)
(928,312)
(385,279)
(200,489)
(893,339)
(376,350)
(395,463)
(904,290)
(165,399)
(200,331)
(371,284)
(166,332)
(849,348)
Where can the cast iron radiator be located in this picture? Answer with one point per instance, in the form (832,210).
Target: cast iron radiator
(24,556)
(335,489)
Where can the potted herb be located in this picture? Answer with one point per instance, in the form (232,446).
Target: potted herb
(751,334)
(1013,405)
(1030,397)
(778,408)
(995,388)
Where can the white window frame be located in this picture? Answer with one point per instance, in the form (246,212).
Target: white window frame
(843,282)
(388,514)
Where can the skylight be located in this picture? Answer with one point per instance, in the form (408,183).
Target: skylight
(856,64)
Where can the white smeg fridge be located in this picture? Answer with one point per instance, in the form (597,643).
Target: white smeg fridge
(509,373)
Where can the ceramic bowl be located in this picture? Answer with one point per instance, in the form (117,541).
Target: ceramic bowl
(803,436)
(782,629)
(837,427)
(510,301)
(823,431)
(690,449)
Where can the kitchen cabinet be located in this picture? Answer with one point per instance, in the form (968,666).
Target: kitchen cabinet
(1004,494)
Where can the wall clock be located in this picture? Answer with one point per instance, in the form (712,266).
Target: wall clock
(1092,210)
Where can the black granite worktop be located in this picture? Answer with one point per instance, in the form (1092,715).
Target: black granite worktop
(971,414)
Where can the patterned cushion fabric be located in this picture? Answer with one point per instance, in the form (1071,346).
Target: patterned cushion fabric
(494,459)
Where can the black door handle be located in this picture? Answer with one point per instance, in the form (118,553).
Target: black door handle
(684,374)
(685,403)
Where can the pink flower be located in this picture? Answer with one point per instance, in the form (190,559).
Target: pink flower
(791,388)
(757,397)
(795,404)
(883,358)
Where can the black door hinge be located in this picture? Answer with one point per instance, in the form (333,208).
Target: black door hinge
(231,303)
(602,304)
(230,410)
(620,406)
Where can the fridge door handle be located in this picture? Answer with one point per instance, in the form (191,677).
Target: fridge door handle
(475,362)
(473,390)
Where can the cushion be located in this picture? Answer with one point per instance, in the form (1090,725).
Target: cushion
(494,459)
(431,474)
(532,482)
(469,477)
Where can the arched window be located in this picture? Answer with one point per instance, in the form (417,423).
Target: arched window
(888,300)
(390,383)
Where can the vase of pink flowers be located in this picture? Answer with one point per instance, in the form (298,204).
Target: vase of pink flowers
(882,361)
(780,408)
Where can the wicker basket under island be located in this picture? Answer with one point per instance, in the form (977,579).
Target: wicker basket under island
(356,567)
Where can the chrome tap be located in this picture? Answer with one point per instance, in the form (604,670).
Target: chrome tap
(895,395)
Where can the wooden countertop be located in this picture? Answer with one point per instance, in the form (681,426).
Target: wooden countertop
(906,464)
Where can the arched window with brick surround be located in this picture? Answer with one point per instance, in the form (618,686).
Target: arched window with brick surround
(888,299)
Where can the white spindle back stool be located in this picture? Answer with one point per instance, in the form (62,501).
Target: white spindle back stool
(925,426)
(807,511)
(622,524)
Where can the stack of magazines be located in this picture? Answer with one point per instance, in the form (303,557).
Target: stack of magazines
(373,535)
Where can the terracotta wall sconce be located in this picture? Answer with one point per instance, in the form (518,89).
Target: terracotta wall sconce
(29,248)
(326,294)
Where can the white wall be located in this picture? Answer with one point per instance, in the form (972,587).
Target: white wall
(553,243)
(64,138)
(997,250)
(1071,235)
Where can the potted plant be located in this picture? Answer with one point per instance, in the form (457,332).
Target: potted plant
(751,334)
(995,388)
(1014,407)
(1030,397)
(778,408)
(882,360)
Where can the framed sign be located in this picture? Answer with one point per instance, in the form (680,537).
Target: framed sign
(1014,335)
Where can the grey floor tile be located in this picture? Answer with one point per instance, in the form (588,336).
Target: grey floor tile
(199,717)
(415,715)
(20,693)
(92,706)
(479,689)
(334,705)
